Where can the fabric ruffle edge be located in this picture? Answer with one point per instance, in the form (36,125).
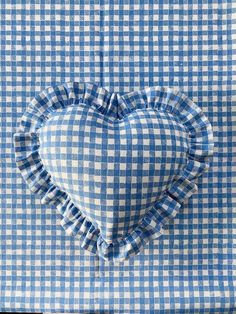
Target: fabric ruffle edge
(73,221)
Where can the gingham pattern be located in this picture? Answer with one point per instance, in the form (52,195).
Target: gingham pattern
(123,46)
(112,169)
(117,167)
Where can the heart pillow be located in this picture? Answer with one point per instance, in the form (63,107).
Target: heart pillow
(116,167)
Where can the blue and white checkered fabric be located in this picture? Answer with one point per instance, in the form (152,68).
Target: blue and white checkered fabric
(117,167)
(123,46)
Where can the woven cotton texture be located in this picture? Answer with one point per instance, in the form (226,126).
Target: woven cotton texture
(117,167)
(123,46)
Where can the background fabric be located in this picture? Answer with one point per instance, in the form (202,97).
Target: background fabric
(124,47)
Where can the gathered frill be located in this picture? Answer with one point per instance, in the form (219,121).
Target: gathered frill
(42,107)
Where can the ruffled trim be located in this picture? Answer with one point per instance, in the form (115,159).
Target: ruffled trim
(112,104)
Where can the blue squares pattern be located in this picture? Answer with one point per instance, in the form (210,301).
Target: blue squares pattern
(123,47)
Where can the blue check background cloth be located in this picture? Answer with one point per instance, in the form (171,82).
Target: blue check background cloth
(123,46)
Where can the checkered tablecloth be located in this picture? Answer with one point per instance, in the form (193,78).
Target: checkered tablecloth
(123,46)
